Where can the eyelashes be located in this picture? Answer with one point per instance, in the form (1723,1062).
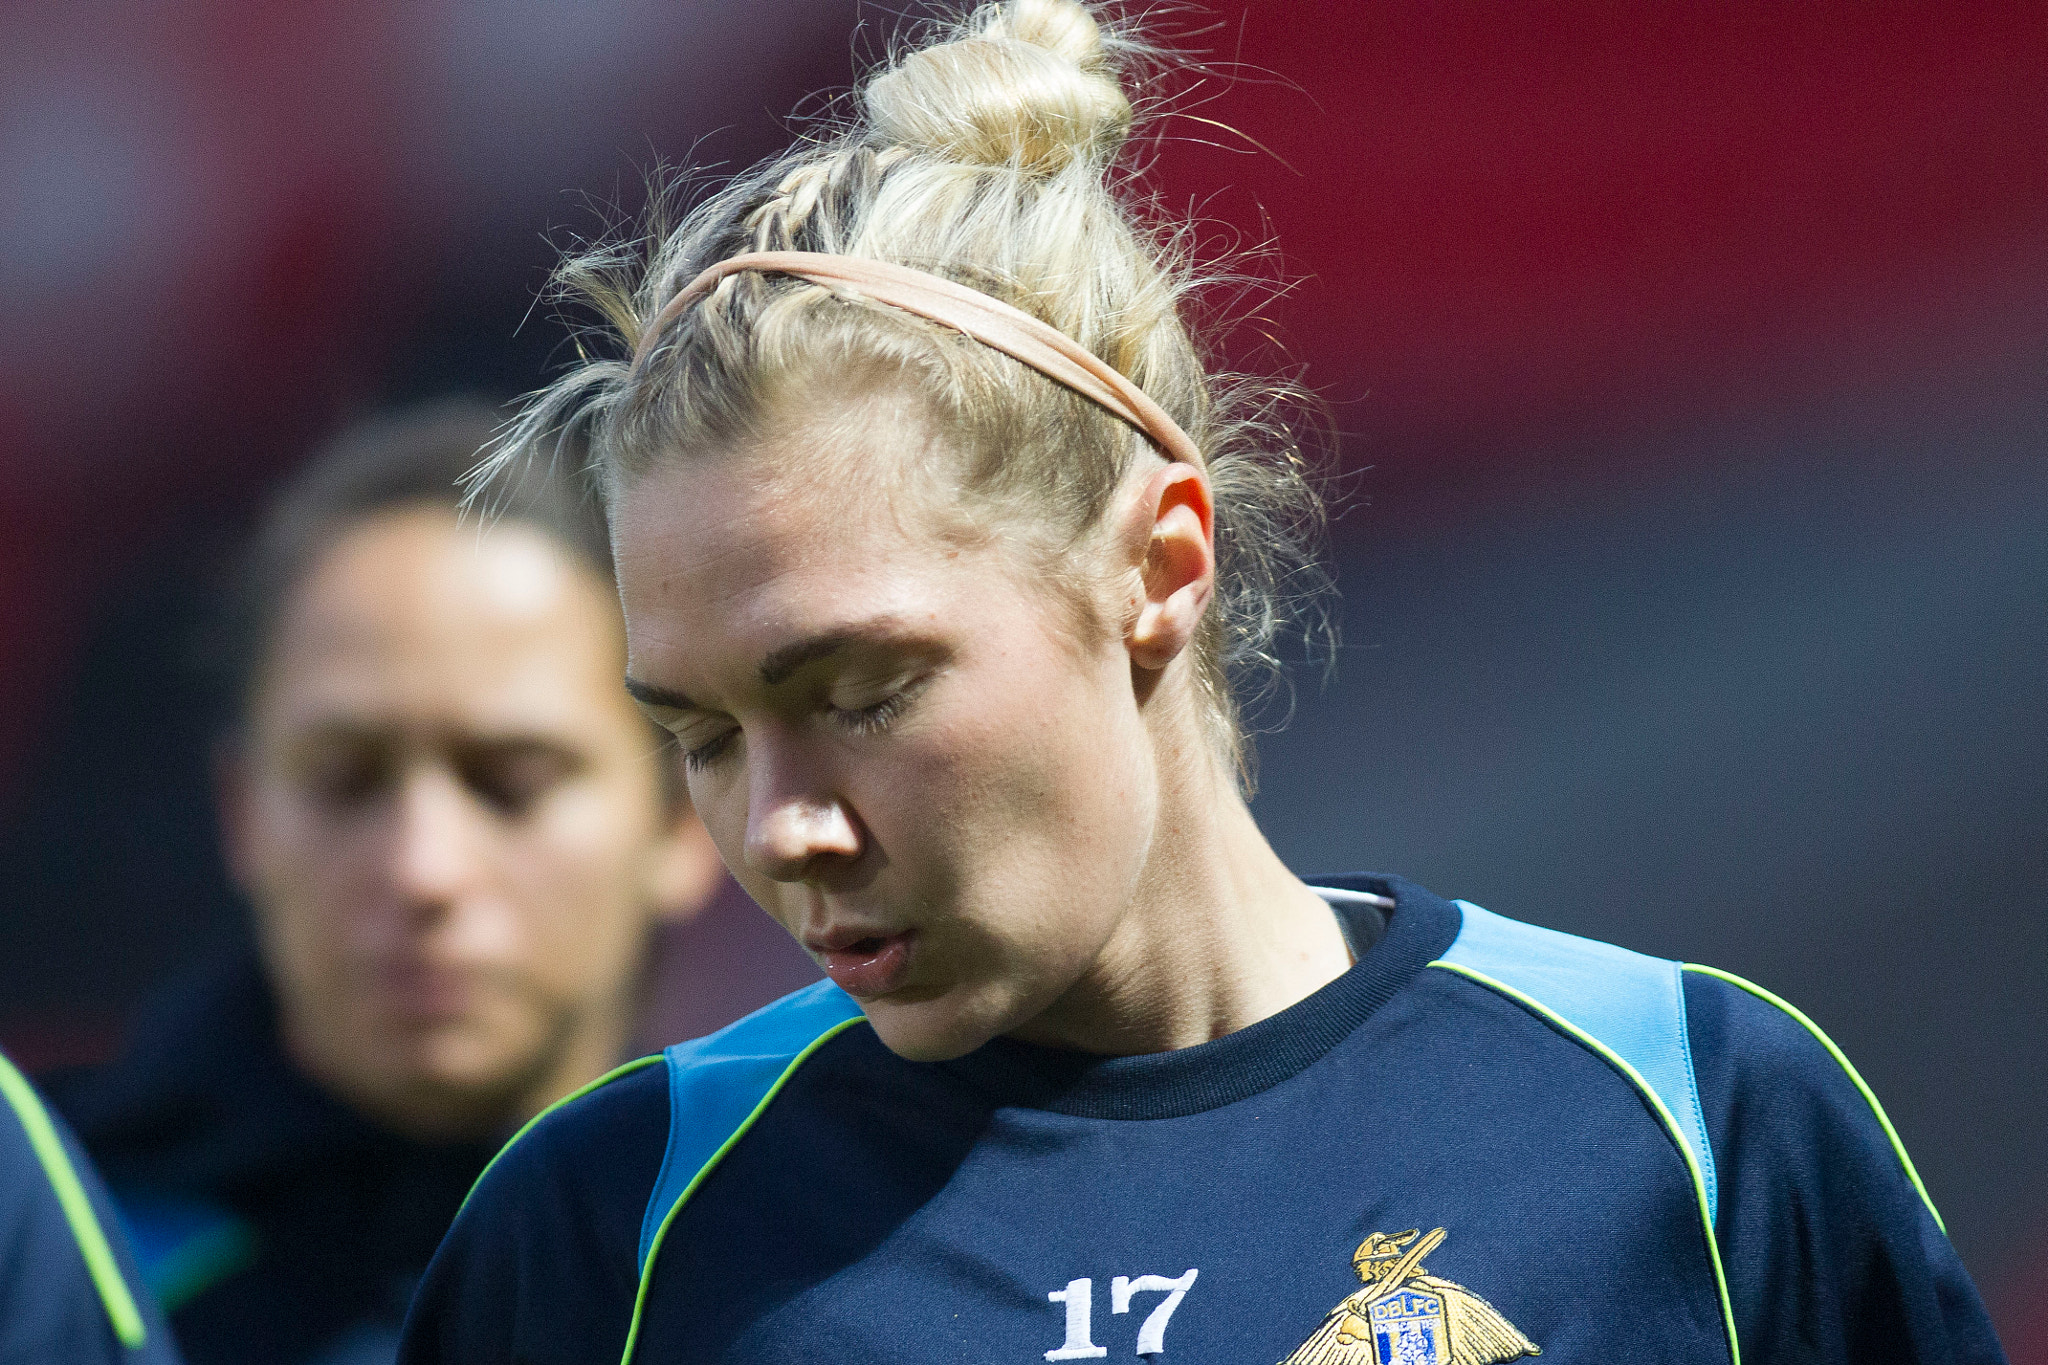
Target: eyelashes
(871,720)
(704,755)
(860,720)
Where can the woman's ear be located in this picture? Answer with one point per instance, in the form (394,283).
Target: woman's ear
(1169,539)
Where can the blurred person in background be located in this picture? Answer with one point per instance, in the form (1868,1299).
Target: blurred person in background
(67,1280)
(456,834)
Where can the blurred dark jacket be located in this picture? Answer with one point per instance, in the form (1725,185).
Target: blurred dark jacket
(274,1223)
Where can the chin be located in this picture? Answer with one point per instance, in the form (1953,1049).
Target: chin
(466,1061)
(929,1030)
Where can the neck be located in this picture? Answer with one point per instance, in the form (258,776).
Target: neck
(597,1043)
(1219,934)
(583,1045)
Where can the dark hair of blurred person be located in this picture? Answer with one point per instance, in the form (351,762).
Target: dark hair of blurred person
(455,833)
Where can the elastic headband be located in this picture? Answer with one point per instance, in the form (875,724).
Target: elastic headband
(969,311)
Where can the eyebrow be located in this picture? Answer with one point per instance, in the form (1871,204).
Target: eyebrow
(775,668)
(782,662)
(647,694)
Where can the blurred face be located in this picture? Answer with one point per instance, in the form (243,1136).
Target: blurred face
(449,819)
(903,747)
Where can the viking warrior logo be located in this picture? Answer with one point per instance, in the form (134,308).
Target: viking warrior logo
(1404,1317)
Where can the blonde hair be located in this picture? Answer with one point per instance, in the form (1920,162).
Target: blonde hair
(988,154)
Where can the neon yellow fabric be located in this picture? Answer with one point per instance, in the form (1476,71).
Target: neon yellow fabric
(114,1294)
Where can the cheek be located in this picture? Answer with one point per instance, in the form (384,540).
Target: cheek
(572,876)
(719,796)
(1033,786)
(310,879)
(303,865)
(1064,844)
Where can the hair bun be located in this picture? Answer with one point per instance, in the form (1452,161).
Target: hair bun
(1027,83)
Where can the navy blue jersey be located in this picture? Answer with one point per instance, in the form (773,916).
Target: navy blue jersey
(1483,1142)
(67,1284)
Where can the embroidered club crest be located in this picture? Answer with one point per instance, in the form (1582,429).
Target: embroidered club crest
(1406,1317)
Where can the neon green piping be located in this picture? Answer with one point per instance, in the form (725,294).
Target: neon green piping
(1692,1164)
(1842,1061)
(661,1233)
(575,1094)
(77,1206)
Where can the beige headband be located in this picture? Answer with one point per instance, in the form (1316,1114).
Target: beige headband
(988,320)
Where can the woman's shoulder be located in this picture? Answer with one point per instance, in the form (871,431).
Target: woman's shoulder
(1823,1217)
(707,1083)
(624,1112)
(578,1174)
(542,1262)
(611,1146)
(545,1257)
(1774,1085)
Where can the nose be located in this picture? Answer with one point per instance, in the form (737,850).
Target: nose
(435,854)
(793,825)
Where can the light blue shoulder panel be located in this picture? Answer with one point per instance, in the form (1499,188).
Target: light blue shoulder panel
(718,1083)
(1632,1004)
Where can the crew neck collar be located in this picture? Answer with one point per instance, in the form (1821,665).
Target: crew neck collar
(1239,1065)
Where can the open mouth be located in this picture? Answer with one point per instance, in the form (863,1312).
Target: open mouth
(870,967)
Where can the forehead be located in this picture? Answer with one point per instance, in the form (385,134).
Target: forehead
(737,554)
(418,616)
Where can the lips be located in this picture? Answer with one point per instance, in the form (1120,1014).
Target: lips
(421,994)
(867,967)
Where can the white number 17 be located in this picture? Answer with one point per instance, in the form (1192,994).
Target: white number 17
(1079,1297)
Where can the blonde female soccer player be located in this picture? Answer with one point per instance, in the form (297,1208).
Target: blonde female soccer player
(939,548)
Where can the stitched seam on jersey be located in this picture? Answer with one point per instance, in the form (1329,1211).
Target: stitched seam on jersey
(1841,1060)
(1710,1168)
(668,1151)
(76,1204)
(661,1233)
(1664,1115)
(573,1095)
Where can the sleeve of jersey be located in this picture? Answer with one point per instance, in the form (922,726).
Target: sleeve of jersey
(50,1306)
(541,1264)
(1833,1254)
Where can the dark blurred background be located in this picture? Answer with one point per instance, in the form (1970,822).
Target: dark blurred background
(1689,364)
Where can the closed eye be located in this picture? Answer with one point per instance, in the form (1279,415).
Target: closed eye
(682,723)
(871,720)
(702,756)
(876,717)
